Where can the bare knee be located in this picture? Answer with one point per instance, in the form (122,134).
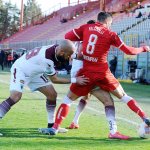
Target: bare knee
(108,101)
(15,96)
(87,97)
(72,96)
(52,96)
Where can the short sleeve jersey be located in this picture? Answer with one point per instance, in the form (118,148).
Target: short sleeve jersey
(39,60)
(97,40)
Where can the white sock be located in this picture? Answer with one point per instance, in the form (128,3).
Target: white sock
(51,115)
(79,110)
(67,101)
(110,115)
(112,126)
(50,112)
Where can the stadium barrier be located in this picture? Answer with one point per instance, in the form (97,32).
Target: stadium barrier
(123,69)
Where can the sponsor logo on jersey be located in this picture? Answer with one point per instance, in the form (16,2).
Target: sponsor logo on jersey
(92,59)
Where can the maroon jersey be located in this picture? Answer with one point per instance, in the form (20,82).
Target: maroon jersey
(97,40)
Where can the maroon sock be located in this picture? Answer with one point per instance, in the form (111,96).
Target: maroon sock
(5,106)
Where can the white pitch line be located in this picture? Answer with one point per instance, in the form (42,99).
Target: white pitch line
(2,81)
(92,109)
(120,118)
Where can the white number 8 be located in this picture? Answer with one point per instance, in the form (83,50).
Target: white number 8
(91,44)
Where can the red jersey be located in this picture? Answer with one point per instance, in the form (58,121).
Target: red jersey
(97,40)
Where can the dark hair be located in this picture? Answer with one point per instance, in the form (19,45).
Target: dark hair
(91,22)
(102,16)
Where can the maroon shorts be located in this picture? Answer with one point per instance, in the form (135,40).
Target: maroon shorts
(106,81)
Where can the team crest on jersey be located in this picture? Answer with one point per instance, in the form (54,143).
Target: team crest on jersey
(22,81)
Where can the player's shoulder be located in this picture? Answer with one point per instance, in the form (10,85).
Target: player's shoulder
(48,46)
(112,33)
(84,26)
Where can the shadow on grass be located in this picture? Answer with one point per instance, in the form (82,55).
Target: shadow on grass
(33,133)
(21,133)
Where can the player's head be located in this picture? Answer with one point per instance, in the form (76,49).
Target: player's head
(64,50)
(105,18)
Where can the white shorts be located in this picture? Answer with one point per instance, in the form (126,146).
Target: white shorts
(76,66)
(19,80)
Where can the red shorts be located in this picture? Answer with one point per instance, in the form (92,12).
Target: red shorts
(106,81)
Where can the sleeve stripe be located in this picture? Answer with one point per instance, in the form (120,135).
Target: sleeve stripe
(121,45)
(76,34)
(51,74)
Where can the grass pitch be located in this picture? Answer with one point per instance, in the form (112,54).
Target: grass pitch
(20,125)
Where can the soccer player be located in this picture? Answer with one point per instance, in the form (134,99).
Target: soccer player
(77,64)
(101,95)
(97,39)
(34,69)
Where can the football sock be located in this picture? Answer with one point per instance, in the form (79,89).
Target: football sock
(110,115)
(5,106)
(132,104)
(62,112)
(80,108)
(50,107)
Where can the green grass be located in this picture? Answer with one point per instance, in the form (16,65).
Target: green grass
(20,125)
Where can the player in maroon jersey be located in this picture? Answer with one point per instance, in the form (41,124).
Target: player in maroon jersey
(97,39)
(34,69)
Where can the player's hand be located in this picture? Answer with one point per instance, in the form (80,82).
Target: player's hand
(147,48)
(82,80)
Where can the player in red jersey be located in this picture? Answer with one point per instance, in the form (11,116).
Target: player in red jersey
(97,39)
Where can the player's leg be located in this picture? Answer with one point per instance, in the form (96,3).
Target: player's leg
(81,105)
(76,66)
(110,83)
(16,88)
(76,91)
(131,103)
(42,84)
(62,112)
(51,96)
(6,105)
(108,103)
(63,109)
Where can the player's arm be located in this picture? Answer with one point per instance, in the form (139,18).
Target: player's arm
(78,53)
(132,50)
(129,50)
(58,80)
(75,34)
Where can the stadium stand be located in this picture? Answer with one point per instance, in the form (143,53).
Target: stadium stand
(53,28)
(134,31)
